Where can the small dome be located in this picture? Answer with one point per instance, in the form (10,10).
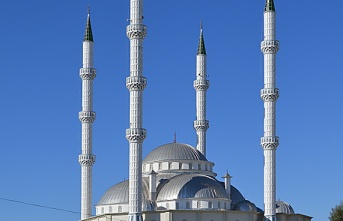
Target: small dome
(119,194)
(174,151)
(245,205)
(191,186)
(283,207)
(236,196)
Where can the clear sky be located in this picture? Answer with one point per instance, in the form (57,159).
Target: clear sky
(40,94)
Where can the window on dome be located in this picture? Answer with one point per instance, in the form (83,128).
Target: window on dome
(218,205)
(120,209)
(224,205)
(188,205)
(205,166)
(102,210)
(190,166)
(159,166)
(167,205)
(199,166)
(210,205)
(198,204)
(110,209)
(177,206)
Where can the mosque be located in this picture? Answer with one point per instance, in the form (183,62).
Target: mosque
(175,181)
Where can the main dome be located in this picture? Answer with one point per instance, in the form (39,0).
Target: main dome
(174,151)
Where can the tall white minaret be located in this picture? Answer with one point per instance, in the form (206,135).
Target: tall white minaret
(269,95)
(136,83)
(87,117)
(201,84)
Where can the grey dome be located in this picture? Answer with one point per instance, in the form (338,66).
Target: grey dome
(283,207)
(191,186)
(174,151)
(245,205)
(236,196)
(119,194)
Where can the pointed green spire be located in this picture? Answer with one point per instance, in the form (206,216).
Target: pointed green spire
(88,33)
(201,46)
(269,6)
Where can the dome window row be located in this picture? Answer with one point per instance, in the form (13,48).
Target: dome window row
(194,204)
(169,166)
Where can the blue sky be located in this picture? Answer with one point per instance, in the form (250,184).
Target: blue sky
(40,94)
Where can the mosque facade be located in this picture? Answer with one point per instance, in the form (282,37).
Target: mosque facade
(175,181)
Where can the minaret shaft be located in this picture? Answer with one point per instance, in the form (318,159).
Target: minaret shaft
(136,83)
(269,95)
(201,84)
(87,117)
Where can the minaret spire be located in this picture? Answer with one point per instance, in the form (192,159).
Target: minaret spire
(201,84)
(87,117)
(269,95)
(136,31)
(269,6)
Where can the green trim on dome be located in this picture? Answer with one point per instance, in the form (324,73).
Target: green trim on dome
(269,6)
(201,46)
(88,33)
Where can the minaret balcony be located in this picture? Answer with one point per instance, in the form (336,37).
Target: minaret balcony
(135,135)
(136,83)
(86,159)
(136,31)
(201,125)
(87,73)
(87,116)
(270,94)
(269,46)
(201,84)
(269,143)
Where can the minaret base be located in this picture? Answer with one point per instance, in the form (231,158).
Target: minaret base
(135,217)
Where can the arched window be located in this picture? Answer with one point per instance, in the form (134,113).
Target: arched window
(210,205)
(120,209)
(188,205)
(218,205)
(110,209)
(177,205)
(198,204)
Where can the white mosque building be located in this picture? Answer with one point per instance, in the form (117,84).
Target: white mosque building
(175,181)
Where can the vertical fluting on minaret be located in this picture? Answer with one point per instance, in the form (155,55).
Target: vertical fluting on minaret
(87,117)
(201,84)
(136,83)
(269,95)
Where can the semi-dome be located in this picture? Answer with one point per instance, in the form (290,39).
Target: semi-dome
(283,207)
(245,205)
(174,151)
(119,194)
(191,186)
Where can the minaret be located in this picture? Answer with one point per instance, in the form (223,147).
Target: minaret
(201,84)
(136,83)
(87,117)
(269,95)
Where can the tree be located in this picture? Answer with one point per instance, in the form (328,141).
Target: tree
(336,213)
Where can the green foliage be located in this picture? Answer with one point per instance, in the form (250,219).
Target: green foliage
(336,213)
